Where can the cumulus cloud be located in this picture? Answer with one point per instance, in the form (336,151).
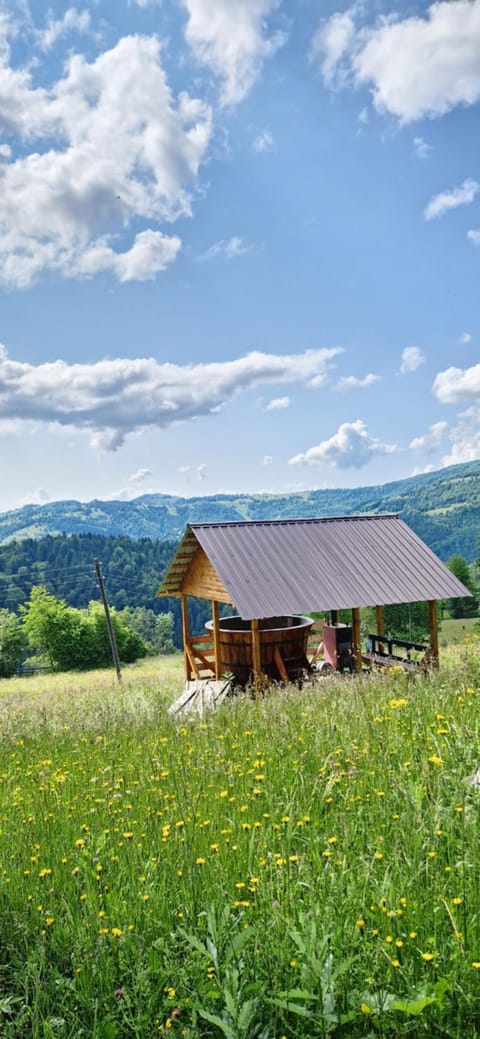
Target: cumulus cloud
(464,339)
(458,385)
(278,404)
(112,145)
(229,248)
(331,42)
(141,474)
(351,382)
(465,438)
(446,200)
(72,21)
(351,447)
(412,358)
(267,460)
(420,470)
(39,496)
(417,66)
(430,440)
(202,471)
(111,399)
(232,39)
(474,237)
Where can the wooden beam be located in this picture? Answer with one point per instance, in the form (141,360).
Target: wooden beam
(185,636)
(256,657)
(191,662)
(216,640)
(432,618)
(380,624)
(356,639)
(277,656)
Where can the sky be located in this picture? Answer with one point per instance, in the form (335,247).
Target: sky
(239,245)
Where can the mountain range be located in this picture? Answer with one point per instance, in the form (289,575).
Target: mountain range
(442,507)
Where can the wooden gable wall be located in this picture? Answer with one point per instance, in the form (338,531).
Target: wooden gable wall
(201,579)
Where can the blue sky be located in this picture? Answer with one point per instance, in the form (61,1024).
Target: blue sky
(239,245)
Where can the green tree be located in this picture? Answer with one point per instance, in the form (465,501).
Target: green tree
(53,630)
(12,643)
(129,644)
(463,606)
(69,639)
(156,630)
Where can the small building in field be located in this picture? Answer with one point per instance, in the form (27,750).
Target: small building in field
(273,572)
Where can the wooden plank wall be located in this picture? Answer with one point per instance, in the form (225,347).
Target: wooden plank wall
(202,580)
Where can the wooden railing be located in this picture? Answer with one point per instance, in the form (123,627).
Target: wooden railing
(200,656)
(383,651)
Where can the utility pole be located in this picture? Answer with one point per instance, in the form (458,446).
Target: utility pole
(111,633)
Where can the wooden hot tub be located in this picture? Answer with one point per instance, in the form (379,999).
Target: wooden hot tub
(288,635)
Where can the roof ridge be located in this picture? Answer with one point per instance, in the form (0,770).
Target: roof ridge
(296,519)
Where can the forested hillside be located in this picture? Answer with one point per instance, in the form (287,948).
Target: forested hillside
(442,507)
(64,565)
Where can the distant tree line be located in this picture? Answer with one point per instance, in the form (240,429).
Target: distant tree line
(49,606)
(133,571)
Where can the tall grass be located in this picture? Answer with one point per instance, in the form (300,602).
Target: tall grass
(303,866)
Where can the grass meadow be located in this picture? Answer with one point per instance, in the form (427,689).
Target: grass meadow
(306,865)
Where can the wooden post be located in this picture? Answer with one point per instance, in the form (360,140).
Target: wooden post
(357,648)
(256,657)
(432,617)
(380,625)
(110,628)
(277,656)
(334,617)
(186,637)
(216,640)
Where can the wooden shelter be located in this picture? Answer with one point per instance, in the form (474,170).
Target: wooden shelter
(273,569)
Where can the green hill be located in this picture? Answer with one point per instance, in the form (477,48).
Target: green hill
(442,507)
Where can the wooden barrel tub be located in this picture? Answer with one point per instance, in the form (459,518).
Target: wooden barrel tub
(288,634)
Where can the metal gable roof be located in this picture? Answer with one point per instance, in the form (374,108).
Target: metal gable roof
(292,566)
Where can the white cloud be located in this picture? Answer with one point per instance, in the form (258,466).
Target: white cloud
(412,358)
(415,66)
(474,237)
(72,21)
(183,469)
(331,42)
(230,248)
(351,382)
(446,200)
(111,399)
(141,474)
(422,148)
(431,440)
(267,460)
(351,447)
(419,470)
(464,339)
(232,40)
(458,385)
(465,438)
(263,142)
(39,496)
(118,147)
(278,404)
(202,471)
